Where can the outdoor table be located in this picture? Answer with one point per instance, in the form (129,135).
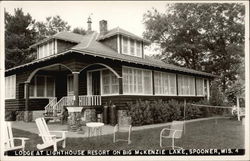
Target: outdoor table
(94,128)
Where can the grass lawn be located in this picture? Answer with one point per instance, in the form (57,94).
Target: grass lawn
(204,134)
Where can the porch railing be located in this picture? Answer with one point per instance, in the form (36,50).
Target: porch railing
(64,101)
(91,100)
(50,105)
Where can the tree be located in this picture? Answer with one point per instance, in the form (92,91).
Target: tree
(19,35)
(200,34)
(78,30)
(51,26)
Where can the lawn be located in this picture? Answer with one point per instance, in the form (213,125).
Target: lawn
(203,134)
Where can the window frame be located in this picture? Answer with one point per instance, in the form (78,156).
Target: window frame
(45,86)
(10,83)
(89,89)
(203,84)
(169,83)
(143,85)
(179,87)
(135,43)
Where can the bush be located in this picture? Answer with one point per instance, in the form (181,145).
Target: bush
(140,113)
(144,112)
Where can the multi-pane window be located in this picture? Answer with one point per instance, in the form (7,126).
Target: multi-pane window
(138,49)
(136,81)
(165,83)
(200,86)
(42,86)
(186,85)
(131,47)
(10,87)
(125,45)
(46,49)
(110,83)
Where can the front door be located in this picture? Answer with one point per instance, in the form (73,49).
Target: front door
(96,83)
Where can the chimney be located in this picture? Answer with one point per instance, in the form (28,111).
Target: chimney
(103,27)
(89,25)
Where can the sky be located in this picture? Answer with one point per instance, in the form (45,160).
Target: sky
(127,15)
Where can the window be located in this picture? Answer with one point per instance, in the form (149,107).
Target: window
(136,81)
(125,45)
(46,49)
(131,47)
(110,83)
(10,87)
(165,83)
(186,85)
(138,49)
(200,86)
(42,86)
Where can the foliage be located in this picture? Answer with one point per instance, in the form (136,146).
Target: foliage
(194,35)
(145,112)
(78,30)
(51,26)
(140,113)
(19,35)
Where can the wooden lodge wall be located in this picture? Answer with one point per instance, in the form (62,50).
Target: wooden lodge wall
(76,62)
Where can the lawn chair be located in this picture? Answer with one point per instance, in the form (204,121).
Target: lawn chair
(9,144)
(123,126)
(48,139)
(174,132)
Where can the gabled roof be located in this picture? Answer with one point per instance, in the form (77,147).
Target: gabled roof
(120,31)
(89,45)
(66,36)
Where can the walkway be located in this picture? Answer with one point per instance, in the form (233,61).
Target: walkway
(107,129)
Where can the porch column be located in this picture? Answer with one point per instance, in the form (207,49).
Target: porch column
(120,86)
(27,116)
(208,90)
(76,88)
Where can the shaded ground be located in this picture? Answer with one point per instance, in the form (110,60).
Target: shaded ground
(203,134)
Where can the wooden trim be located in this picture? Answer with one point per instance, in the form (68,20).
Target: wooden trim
(142,49)
(76,88)
(120,86)
(153,82)
(27,96)
(177,86)
(195,87)
(120,39)
(118,44)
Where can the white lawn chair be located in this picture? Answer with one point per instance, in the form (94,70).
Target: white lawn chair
(48,139)
(123,126)
(174,132)
(9,140)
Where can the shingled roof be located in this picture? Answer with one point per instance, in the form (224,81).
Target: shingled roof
(90,44)
(120,31)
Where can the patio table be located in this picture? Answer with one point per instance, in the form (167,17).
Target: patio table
(94,128)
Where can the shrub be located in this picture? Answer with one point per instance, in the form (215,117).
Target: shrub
(144,112)
(140,113)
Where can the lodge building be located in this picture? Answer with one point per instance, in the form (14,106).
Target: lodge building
(96,69)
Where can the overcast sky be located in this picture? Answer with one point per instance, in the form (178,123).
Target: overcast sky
(127,15)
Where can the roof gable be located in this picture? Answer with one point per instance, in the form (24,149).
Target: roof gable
(120,31)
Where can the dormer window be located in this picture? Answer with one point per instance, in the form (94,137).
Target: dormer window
(46,49)
(131,47)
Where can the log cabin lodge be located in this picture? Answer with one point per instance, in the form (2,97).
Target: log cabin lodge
(94,69)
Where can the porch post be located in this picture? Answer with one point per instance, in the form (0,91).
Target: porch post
(208,90)
(27,118)
(120,86)
(76,88)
